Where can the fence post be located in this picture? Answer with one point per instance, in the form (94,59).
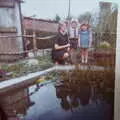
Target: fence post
(34,44)
(34,39)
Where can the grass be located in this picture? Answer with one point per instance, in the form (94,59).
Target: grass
(23,68)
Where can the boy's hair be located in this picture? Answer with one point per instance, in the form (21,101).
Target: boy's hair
(73,22)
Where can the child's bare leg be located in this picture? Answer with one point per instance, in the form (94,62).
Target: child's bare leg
(82,55)
(86,55)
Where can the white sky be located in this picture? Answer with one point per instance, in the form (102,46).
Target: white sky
(47,9)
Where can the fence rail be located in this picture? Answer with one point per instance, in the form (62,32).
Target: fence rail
(34,46)
(32,77)
(6,54)
(29,36)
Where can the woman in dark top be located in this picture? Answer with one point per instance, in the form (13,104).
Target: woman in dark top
(60,51)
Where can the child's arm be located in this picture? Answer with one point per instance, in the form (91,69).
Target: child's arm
(79,40)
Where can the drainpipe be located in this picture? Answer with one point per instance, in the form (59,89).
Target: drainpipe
(117,72)
(22,28)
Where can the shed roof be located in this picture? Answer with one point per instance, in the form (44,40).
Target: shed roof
(40,25)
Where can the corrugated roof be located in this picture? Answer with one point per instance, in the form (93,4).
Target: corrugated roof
(50,21)
(40,25)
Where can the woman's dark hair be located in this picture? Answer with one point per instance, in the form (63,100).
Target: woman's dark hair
(59,26)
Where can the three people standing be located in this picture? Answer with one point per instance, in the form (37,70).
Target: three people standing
(65,46)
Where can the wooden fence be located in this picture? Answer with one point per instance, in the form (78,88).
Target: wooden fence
(9,52)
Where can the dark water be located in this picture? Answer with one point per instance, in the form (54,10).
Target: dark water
(57,102)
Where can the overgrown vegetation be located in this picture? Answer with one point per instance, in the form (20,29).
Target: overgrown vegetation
(24,67)
(101,81)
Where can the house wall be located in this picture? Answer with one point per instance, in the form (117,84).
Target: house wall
(18,25)
(10,24)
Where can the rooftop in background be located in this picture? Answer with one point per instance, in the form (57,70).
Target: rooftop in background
(9,3)
(11,0)
(45,20)
(40,25)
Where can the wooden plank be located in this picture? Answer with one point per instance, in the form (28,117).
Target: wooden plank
(22,81)
(7,85)
(8,30)
(81,67)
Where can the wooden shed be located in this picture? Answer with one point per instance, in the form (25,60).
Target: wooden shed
(40,28)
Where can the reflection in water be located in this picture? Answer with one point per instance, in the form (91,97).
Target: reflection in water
(15,104)
(88,98)
(86,87)
(76,94)
(73,94)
